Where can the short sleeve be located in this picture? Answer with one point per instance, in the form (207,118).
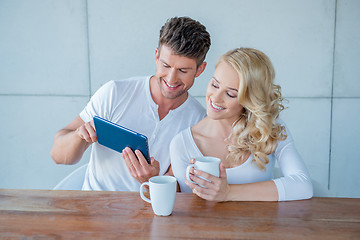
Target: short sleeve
(100,103)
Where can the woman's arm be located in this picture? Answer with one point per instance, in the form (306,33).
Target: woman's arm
(294,185)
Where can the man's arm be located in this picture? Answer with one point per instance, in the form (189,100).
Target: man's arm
(71,142)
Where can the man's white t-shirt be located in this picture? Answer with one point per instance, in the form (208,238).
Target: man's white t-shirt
(129,103)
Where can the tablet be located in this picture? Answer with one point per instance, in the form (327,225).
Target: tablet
(117,137)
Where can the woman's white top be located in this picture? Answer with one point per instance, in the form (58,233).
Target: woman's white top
(294,185)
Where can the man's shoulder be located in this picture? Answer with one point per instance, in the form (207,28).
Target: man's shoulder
(122,86)
(130,81)
(121,83)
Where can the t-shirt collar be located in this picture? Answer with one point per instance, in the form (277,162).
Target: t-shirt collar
(154,105)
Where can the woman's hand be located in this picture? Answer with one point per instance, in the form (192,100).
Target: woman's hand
(217,190)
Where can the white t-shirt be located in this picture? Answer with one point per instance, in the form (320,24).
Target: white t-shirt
(296,183)
(129,103)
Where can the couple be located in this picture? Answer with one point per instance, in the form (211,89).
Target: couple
(242,127)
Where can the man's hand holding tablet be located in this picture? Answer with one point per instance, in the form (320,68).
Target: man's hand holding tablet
(133,147)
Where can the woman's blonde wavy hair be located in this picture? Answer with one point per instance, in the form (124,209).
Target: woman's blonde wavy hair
(256,130)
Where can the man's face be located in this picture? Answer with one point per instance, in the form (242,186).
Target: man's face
(175,74)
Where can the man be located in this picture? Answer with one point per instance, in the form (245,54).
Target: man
(158,106)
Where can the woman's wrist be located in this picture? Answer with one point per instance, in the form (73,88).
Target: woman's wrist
(231,192)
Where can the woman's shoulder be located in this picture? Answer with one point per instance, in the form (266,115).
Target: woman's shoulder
(180,145)
(282,123)
(199,127)
(182,135)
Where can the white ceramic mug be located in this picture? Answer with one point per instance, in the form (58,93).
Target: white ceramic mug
(205,164)
(162,194)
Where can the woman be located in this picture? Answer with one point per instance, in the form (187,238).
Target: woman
(243,129)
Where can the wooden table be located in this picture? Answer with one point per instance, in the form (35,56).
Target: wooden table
(49,214)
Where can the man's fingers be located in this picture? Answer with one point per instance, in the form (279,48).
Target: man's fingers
(133,159)
(125,156)
(92,124)
(87,132)
(141,158)
(154,163)
(138,166)
(91,131)
(83,134)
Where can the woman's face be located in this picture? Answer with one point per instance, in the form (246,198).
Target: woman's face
(221,94)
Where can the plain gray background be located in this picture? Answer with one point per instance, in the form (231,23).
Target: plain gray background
(55,54)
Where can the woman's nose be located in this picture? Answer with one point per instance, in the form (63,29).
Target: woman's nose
(216,97)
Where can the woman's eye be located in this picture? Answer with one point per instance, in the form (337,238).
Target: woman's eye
(166,66)
(231,95)
(215,86)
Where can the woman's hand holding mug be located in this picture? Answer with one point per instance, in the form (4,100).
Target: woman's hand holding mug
(209,179)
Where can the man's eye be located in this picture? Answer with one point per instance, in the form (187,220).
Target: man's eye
(166,66)
(183,71)
(214,86)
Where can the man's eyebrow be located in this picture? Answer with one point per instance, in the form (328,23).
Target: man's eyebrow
(164,62)
(179,68)
(234,89)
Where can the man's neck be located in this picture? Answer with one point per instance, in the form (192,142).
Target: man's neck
(165,104)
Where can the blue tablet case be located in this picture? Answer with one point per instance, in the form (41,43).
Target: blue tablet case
(117,137)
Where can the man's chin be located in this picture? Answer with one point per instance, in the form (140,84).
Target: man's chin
(168,94)
(172,95)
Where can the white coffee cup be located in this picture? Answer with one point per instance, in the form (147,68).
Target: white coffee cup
(162,194)
(205,164)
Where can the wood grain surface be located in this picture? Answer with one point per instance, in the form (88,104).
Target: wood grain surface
(55,214)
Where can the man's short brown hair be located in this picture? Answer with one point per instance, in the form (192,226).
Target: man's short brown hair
(186,37)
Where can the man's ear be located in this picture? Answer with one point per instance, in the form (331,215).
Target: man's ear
(200,69)
(157,54)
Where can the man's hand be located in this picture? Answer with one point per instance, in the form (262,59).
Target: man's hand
(138,166)
(87,132)
(71,142)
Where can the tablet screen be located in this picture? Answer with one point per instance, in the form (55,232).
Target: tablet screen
(117,137)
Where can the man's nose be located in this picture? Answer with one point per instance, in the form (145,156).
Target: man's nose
(172,76)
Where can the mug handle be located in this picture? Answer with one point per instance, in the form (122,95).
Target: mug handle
(142,192)
(188,173)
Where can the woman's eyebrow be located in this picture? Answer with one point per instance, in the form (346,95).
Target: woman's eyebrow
(234,89)
(215,79)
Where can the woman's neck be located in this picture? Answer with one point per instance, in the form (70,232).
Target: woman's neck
(211,128)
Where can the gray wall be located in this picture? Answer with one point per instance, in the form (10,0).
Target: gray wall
(55,54)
